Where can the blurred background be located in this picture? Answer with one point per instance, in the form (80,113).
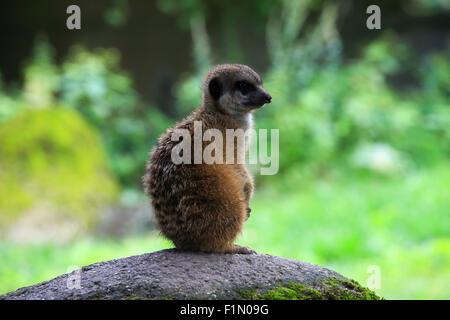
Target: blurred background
(364,120)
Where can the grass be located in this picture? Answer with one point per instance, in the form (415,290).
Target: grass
(349,224)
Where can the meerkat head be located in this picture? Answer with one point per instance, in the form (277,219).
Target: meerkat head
(234,89)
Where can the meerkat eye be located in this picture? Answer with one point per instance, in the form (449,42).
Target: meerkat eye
(244,87)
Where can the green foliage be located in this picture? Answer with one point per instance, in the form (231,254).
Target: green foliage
(53,155)
(344,107)
(329,115)
(93,84)
(40,82)
(9,104)
(41,76)
(188,94)
(118,14)
(53,163)
(350,115)
(346,115)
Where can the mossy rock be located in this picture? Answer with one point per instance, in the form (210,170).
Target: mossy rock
(52,166)
(176,275)
(325,289)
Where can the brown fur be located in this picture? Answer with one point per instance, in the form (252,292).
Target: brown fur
(202,207)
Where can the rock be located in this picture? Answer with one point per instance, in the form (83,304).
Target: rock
(171,274)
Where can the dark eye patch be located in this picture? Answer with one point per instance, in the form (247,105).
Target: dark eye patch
(244,86)
(215,88)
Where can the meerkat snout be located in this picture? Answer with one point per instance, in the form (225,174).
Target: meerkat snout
(252,95)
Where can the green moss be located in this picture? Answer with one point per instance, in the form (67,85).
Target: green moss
(248,294)
(348,290)
(328,289)
(292,291)
(287,291)
(53,157)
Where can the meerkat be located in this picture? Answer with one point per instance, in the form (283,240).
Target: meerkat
(202,207)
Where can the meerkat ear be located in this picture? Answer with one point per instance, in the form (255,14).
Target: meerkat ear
(215,88)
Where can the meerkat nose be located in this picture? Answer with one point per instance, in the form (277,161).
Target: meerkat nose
(268,98)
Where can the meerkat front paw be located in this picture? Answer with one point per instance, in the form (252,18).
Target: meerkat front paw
(248,213)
